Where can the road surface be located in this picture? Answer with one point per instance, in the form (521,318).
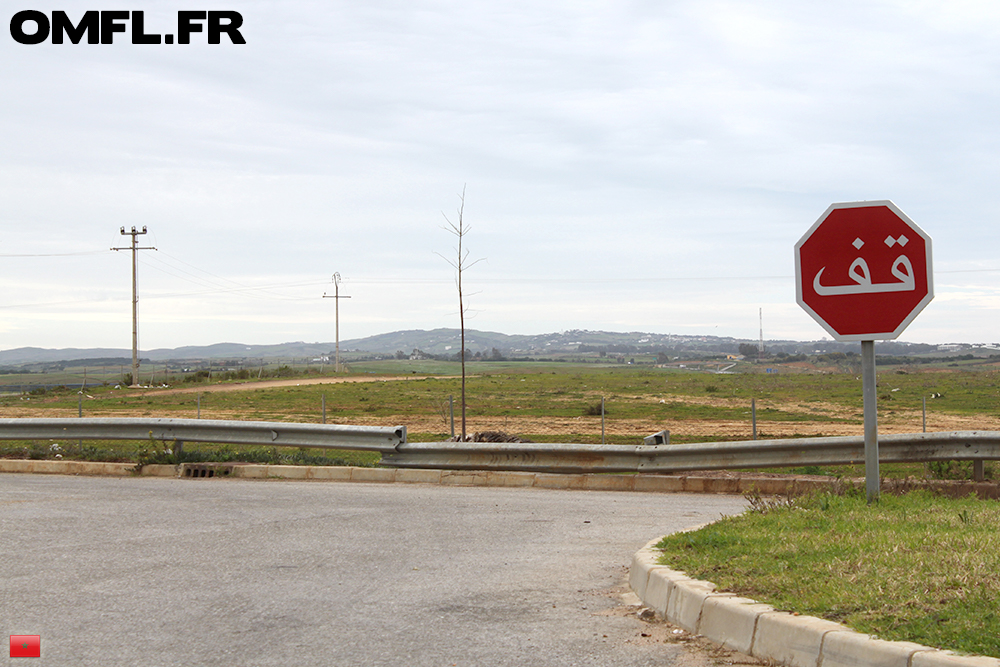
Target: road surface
(152,571)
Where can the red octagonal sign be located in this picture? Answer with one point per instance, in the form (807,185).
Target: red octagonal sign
(863,270)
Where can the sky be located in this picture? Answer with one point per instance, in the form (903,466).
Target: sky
(627,166)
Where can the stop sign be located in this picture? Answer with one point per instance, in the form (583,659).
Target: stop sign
(863,270)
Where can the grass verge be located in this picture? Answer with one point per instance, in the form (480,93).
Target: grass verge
(914,567)
(145,453)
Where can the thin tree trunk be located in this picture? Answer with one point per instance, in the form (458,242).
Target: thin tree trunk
(461,309)
(459,230)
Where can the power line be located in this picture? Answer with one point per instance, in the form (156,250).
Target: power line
(60,254)
(220,288)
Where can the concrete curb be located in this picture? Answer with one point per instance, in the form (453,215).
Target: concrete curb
(590,482)
(760,631)
(641,482)
(65,467)
(647,483)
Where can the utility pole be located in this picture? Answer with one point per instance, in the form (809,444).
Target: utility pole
(135,299)
(336,302)
(760,347)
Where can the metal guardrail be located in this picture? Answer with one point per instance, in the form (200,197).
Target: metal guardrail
(274,434)
(976,446)
(573,458)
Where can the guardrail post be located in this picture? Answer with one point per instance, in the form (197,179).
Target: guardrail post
(978,470)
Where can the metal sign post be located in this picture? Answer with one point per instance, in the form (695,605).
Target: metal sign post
(870,398)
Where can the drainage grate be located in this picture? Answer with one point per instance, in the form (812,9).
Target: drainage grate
(206,470)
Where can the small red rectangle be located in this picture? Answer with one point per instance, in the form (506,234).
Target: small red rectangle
(26,646)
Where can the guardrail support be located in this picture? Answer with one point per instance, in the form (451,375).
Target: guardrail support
(658,438)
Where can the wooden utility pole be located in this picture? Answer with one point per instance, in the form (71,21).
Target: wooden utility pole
(336,302)
(135,299)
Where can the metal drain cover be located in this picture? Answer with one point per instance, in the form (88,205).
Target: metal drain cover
(199,470)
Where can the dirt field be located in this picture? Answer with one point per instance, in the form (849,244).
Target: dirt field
(891,420)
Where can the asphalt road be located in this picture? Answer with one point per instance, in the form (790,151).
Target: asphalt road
(152,571)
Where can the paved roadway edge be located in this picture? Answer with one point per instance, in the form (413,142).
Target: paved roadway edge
(758,630)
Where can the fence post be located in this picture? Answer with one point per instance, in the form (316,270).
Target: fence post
(753,416)
(324,407)
(451,412)
(927,465)
(602,420)
(199,406)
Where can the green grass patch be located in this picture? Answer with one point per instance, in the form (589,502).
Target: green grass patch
(954,470)
(143,453)
(914,567)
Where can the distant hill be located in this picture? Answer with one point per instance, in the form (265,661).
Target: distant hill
(107,356)
(447,342)
(32,355)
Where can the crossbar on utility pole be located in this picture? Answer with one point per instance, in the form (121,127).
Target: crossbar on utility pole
(336,302)
(135,299)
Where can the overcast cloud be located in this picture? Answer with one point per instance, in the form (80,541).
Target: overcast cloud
(628,166)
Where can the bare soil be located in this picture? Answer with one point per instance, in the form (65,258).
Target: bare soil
(651,629)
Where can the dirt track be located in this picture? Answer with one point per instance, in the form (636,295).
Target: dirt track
(266,384)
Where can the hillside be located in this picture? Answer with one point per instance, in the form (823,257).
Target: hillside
(444,342)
